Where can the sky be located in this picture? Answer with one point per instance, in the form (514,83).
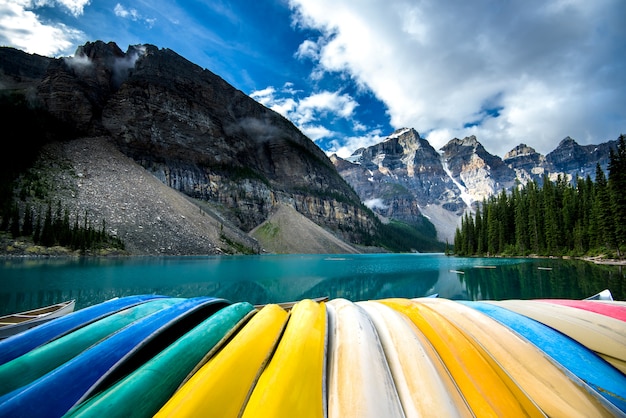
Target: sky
(348,73)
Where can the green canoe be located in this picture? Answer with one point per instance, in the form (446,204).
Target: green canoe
(143,392)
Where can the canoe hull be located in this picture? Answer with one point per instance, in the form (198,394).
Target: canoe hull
(16,323)
(56,392)
(359,379)
(225,382)
(21,343)
(147,389)
(281,390)
(575,357)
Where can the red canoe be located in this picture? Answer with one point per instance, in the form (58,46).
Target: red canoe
(604,308)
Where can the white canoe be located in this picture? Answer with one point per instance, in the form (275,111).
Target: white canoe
(424,385)
(359,379)
(18,322)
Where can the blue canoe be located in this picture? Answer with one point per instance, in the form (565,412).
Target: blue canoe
(93,370)
(579,360)
(22,343)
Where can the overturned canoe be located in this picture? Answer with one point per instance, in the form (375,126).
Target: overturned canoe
(359,380)
(143,392)
(292,384)
(19,322)
(424,385)
(601,307)
(225,382)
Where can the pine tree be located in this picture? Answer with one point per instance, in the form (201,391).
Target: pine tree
(521,221)
(617,190)
(534,219)
(47,237)
(603,210)
(15,221)
(37,231)
(550,210)
(492,228)
(27,225)
(478,228)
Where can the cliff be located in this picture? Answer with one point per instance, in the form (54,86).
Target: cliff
(184,126)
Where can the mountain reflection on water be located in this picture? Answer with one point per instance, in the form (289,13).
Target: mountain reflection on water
(30,283)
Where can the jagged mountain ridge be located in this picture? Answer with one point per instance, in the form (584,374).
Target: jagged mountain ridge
(405,178)
(184,125)
(204,138)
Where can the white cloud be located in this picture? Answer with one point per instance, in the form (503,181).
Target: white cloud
(509,72)
(132,14)
(123,12)
(316,132)
(323,103)
(308,49)
(75,7)
(345,147)
(22,28)
(376,203)
(308,112)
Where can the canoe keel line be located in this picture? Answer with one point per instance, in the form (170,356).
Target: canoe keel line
(145,356)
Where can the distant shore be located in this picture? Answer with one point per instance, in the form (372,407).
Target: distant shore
(605,261)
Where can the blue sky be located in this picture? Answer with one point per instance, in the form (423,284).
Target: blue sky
(348,73)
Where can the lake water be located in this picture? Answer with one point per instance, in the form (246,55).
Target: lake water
(30,283)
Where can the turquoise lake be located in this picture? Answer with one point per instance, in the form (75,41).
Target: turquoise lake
(30,283)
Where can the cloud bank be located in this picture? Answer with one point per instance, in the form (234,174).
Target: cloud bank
(21,27)
(507,72)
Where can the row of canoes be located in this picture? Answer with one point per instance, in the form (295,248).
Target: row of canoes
(152,355)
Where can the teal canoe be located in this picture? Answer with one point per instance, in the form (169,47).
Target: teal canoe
(36,363)
(143,392)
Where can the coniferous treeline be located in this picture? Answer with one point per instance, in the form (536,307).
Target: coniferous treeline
(557,218)
(57,228)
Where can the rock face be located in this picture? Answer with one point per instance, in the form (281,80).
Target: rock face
(574,160)
(479,172)
(527,163)
(399,176)
(191,130)
(404,178)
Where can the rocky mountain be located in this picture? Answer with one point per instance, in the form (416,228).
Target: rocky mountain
(235,159)
(405,178)
(176,161)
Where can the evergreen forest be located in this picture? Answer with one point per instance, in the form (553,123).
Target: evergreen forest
(56,228)
(584,217)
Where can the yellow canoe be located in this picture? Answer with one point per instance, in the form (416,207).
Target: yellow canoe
(422,381)
(602,334)
(359,379)
(487,388)
(557,392)
(292,385)
(221,387)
